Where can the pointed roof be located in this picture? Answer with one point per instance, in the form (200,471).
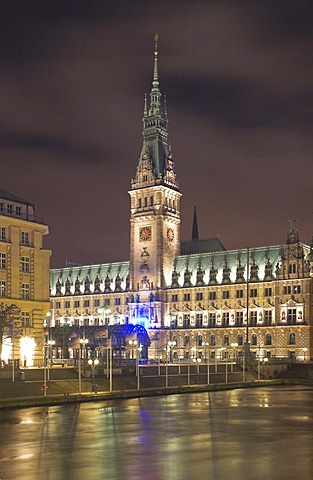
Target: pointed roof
(156,153)
(195,232)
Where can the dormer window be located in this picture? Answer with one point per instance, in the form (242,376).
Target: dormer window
(145,178)
(18,211)
(10,209)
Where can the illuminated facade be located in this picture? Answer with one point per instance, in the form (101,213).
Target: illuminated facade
(24,277)
(196,294)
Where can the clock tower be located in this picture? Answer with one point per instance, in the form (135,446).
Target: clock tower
(155,202)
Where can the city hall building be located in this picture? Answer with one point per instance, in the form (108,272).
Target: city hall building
(194,297)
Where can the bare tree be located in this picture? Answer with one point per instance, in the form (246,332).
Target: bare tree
(10,322)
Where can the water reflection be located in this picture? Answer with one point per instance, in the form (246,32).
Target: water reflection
(241,434)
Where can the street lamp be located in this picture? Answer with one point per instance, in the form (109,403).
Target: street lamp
(234,346)
(93,362)
(82,344)
(207,358)
(50,346)
(133,344)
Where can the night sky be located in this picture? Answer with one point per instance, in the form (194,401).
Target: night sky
(238,77)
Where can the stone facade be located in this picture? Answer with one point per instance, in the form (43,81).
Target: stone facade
(24,276)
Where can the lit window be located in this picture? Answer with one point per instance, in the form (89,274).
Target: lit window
(3,236)
(25,238)
(2,288)
(25,264)
(25,319)
(25,290)
(3,260)
(297,289)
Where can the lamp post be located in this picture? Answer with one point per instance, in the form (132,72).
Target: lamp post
(133,344)
(234,346)
(265,360)
(170,345)
(93,362)
(82,345)
(50,345)
(207,359)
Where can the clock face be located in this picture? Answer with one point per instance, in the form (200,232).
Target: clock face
(170,234)
(145,234)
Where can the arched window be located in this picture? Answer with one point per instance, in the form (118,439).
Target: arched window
(292,338)
(226,340)
(212,341)
(240,339)
(254,339)
(199,340)
(139,202)
(187,341)
(268,339)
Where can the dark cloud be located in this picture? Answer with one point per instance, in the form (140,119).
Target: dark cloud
(238,79)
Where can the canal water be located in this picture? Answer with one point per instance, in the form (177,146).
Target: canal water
(252,434)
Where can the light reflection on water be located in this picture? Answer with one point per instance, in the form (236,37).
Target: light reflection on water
(247,434)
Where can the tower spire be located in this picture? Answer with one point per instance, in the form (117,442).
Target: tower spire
(155,94)
(195,232)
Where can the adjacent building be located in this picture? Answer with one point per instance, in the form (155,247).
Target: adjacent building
(194,297)
(24,277)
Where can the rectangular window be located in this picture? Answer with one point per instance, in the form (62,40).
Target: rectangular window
(67,304)
(268,317)
(186,297)
(1,207)
(3,235)
(297,289)
(25,319)
(96,302)
(239,319)
(57,304)
(292,316)
(117,301)
(10,209)
(2,288)
(76,304)
(151,201)
(175,297)
(106,302)
(212,319)
(145,202)
(226,319)
(25,291)
(25,264)
(25,238)
(253,292)
(225,294)
(212,296)
(287,290)
(199,319)
(199,296)
(18,211)
(239,293)
(3,261)
(86,303)
(268,292)
(253,318)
